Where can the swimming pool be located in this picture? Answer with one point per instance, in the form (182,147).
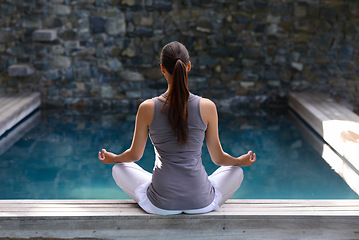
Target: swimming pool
(57,158)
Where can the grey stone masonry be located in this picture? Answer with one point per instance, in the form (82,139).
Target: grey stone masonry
(44,35)
(20,70)
(246,53)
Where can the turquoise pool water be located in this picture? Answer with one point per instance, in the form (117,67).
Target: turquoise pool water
(57,158)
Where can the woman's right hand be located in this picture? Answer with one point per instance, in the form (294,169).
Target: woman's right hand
(247,159)
(106,157)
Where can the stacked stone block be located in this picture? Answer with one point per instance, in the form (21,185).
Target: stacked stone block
(105,54)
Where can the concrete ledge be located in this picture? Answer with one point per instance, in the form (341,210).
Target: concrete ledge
(123,219)
(15,107)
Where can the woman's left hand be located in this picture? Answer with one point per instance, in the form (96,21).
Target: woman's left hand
(247,159)
(107,157)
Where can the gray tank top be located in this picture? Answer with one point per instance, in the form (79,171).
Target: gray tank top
(179,180)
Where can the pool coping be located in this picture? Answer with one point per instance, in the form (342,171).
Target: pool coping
(16,107)
(236,219)
(235,207)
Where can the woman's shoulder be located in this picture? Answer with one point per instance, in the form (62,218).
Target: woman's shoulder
(146,111)
(147,105)
(207,103)
(208,109)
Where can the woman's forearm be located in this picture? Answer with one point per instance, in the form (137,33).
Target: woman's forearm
(226,160)
(243,160)
(127,156)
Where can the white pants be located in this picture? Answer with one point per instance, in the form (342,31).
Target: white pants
(134,181)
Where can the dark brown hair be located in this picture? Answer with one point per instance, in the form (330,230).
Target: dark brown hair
(175,59)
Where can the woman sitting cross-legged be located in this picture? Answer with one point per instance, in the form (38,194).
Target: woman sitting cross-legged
(177,123)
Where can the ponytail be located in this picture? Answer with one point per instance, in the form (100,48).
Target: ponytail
(178,95)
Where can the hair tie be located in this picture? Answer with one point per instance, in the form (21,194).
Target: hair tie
(178,59)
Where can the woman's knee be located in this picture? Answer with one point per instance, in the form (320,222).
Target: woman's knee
(118,167)
(117,170)
(239,170)
(239,173)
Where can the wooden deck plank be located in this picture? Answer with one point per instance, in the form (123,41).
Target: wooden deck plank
(7,100)
(312,202)
(19,131)
(333,110)
(307,112)
(9,103)
(223,209)
(17,103)
(328,108)
(232,207)
(232,211)
(16,107)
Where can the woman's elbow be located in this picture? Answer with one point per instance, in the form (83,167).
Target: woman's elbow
(136,156)
(133,155)
(220,163)
(223,159)
(216,152)
(217,160)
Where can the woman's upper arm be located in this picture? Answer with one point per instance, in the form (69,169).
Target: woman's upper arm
(143,121)
(210,117)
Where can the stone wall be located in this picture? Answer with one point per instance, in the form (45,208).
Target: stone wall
(104,53)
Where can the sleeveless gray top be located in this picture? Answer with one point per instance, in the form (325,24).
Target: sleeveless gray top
(179,180)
